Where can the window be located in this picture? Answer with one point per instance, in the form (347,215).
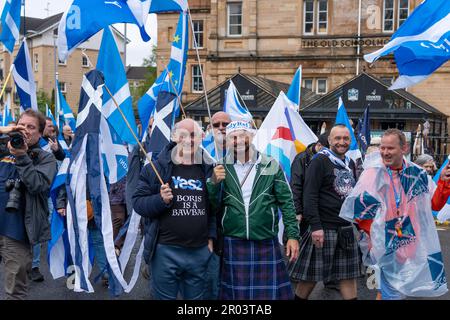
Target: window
(321,86)
(315,17)
(322,17)
(387,80)
(55,32)
(197,83)
(85,62)
(62,87)
(62,63)
(36,62)
(170,34)
(235,19)
(309,17)
(395,12)
(198,33)
(308,84)
(403,12)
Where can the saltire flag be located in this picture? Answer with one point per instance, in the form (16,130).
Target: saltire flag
(66,116)
(233,106)
(208,145)
(84,18)
(283,134)
(7,115)
(10,23)
(110,64)
(24,78)
(342,118)
(364,131)
(421,45)
(162,124)
(86,170)
(295,90)
(444,213)
(175,71)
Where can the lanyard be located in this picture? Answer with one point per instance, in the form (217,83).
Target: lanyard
(398,197)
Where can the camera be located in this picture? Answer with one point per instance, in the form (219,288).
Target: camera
(14,187)
(17,140)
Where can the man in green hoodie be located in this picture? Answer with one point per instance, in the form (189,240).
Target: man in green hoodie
(252,187)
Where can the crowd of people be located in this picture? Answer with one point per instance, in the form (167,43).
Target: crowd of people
(211,229)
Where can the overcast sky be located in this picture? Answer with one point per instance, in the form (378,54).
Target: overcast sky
(137,49)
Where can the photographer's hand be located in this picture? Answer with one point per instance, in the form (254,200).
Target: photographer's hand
(18,128)
(18,152)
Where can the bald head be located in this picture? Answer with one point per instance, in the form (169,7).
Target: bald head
(339,140)
(188,136)
(219,122)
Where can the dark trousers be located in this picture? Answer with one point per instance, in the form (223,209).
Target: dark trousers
(16,257)
(118,215)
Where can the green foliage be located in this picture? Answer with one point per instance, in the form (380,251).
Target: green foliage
(42,100)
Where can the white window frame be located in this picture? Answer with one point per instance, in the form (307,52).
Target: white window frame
(194,76)
(202,32)
(62,87)
(312,83)
(384,17)
(62,63)
(82,62)
(317,86)
(35,62)
(398,12)
(304,18)
(228,19)
(317,15)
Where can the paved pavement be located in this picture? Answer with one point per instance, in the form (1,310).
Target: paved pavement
(57,289)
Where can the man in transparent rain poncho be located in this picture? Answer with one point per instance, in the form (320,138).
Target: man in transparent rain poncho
(391,203)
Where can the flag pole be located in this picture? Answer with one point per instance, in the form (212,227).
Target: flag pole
(6,81)
(134,135)
(176,92)
(203,80)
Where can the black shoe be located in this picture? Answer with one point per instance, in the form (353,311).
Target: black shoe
(36,275)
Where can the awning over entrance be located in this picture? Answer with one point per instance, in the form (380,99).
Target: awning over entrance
(257,93)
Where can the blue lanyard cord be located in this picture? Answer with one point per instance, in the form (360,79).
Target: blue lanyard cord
(398,196)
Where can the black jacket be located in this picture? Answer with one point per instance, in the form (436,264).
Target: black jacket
(148,203)
(37,170)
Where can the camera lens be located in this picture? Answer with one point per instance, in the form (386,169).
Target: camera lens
(17,140)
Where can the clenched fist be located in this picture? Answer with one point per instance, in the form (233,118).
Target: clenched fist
(166,193)
(219,174)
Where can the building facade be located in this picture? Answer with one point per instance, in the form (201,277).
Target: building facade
(42,36)
(270,39)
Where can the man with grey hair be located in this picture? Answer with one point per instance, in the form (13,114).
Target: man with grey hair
(179,225)
(426,162)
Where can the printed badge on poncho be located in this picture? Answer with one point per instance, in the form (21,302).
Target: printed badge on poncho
(436,265)
(399,233)
(414,181)
(366,206)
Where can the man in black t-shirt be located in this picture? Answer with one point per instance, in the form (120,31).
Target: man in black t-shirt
(329,248)
(179,226)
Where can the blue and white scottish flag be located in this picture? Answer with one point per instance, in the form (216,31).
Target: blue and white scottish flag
(10,23)
(208,145)
(233,107)
(24,78)
(7,117)
(110,63)
(66,116)
(421,45)
(86,169)
(175,71)
(342,118)
(162,124)
(295,90)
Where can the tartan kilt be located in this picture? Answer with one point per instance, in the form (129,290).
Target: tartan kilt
(254,270)
(326,264)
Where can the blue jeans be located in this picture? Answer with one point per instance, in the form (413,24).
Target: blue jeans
(178,269)
(99,248)
(213,278)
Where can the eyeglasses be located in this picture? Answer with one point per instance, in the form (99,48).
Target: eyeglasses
(217,124)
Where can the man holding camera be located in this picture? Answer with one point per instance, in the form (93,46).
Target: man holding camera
(28,171)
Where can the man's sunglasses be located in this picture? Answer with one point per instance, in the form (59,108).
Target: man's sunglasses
(217,124)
